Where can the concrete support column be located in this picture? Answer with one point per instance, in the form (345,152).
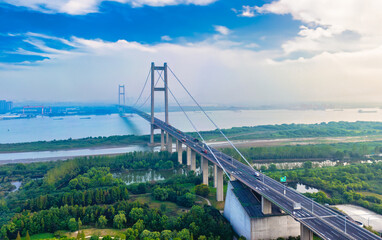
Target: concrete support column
(179,149)
(193,160)
(215,176)
(266,206)
(204,167)
(189,156)
(219,188)
(162,140)
(306,233)
(169,143)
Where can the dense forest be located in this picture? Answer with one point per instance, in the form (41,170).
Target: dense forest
(331,129)
(82,193)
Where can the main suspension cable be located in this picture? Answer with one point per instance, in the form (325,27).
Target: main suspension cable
(144,86)
(217,127)
(148,97)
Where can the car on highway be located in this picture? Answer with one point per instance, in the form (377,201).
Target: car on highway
(183,139)
(205,151)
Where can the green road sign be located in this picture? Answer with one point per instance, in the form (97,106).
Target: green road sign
(283,179)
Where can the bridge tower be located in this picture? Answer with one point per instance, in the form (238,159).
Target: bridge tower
(165,90)
(121,94)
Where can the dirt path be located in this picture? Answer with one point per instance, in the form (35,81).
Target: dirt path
(208,201)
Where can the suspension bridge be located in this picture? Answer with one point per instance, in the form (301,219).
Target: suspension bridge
(273,196)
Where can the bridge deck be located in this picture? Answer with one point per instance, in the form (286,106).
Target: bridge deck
(323,221)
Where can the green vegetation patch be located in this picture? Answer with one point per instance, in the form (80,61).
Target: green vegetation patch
(41,236)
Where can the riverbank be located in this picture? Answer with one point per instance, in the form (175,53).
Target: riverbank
(367,217)
(263,135)
(45,156)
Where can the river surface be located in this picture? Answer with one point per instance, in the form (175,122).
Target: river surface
(47,128)
(39,156)
(141,176)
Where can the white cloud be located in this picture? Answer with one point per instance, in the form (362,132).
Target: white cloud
(81,7)
(246,76)
(247,11)
(166,38)
(222,30)
(333,26)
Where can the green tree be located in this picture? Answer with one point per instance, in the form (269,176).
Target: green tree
(18,236)
(308,165)
(139,225)
(272,167)
(107,237)
(202,190)
(160,194)
(186,200)
(81,235)
(102,221)
(136,214)
(72,225)
(147,235)
(119,220)
(27,237)
(79,223)
(184,234)
(131,234)
(166,235)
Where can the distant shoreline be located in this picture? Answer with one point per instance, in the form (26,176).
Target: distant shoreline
(256,136)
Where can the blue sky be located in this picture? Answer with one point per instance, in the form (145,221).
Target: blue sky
(146,25)
(259,52)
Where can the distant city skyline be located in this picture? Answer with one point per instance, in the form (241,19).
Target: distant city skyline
(232,53)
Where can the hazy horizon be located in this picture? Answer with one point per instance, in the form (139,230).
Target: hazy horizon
(229,53)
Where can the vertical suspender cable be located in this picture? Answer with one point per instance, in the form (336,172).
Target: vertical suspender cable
(193,125)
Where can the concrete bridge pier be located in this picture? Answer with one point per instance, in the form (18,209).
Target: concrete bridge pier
(215,176)
(169,143)
(179,149)
(306,233)
(162,148)
(266,206)
(193,160)
(204,167)
(189,156)
(219,185)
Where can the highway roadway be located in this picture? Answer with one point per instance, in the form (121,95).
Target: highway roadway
(320,219)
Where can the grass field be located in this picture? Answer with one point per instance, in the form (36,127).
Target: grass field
(98,232)
(371,194)
(376,186)
(41,236)
(172,209)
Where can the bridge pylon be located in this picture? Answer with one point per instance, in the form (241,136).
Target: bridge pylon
(121,95)
(161,89)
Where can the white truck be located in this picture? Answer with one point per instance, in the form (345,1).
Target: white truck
(296,206)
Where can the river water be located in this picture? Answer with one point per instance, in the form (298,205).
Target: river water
(46,128)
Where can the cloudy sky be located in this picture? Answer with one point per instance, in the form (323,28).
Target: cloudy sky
(241,52)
